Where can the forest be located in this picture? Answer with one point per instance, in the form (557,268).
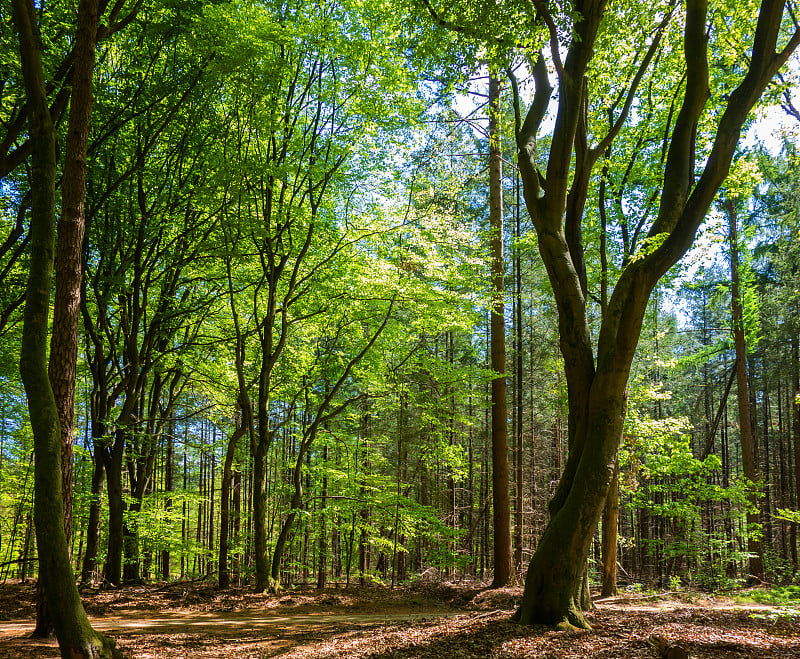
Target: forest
(302,302)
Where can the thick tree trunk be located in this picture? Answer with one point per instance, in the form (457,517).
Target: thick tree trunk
(62,367)
(554,580)
(64,339)
(500,493)
(76,637)
(749,453)
(596,380)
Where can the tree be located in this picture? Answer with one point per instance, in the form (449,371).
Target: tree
(555,199)
(746,434)
(75,634)
(501,511)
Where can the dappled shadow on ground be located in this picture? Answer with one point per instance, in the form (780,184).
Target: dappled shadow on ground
(177,621)
(615,633)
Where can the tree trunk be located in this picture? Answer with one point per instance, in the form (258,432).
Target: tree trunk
(132,564)
(322,543)
(795,411)
(169,486)
(259,511)
(749,452)
(500,493)
(93,524)
(610,523)
(116,509)
(76,638)
(597,377)
(62,367)
(225,504)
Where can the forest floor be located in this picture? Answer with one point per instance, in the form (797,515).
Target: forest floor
(195,621)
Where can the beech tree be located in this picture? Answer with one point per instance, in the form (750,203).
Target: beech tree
(555,196)
(50,401)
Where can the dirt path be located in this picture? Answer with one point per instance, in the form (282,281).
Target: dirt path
(242,631)
(231,623)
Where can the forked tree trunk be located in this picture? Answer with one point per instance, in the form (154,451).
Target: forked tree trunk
(76,638)
(597,379)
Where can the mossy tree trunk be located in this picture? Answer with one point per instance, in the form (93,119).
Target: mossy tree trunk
(76,637)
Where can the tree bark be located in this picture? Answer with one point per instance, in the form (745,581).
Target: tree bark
(597,381)
(746,437)
(169,487)
(76,638)
(610,523)
(112,456)
(795,421)
(225,503)
(93,524)
(500,493)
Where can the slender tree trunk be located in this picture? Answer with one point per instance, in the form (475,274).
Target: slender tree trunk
(746,435)
(116,509)
(169,486)
(610,523)
(500,493)
(795,407)
(322,542)
(93,524)
(225,504)
(259,513)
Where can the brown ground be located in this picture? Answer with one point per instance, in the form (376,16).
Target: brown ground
(195,621)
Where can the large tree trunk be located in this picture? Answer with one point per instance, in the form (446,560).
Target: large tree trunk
(746,435)
(500,493)
(64,339)
(76,637)
(596,380)
(62,367)
(554,580)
